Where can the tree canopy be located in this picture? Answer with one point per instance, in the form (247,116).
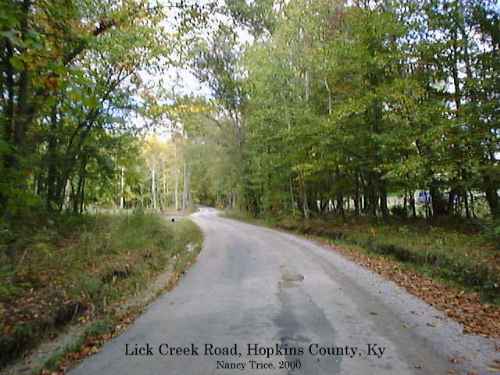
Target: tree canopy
(349,103)
(313,106)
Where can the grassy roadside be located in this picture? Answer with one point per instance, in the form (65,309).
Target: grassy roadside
(84,268)
(453,267)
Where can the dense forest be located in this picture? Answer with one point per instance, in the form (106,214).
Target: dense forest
(338,106)
(73,87)
(313,106)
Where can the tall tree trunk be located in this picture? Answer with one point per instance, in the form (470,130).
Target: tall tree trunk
(307,85)
(122,188)
(452,197)
(176,190)
(164,192)
(233,200)
(329,97)
(186,192)
(340,205)
(371,195)
(51,199)
(383,199)
(167,192)
(153,187)
(492,197)
(292,199)
(82,195)
(79,195)
(357,198)
(412,204)
(472,207)
(305,204)
(466,203)
(437,201)
(176,169)
(142,195)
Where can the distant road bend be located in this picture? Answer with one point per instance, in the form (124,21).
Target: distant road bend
(260,290)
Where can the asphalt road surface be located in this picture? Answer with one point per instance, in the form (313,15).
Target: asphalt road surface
(259,301)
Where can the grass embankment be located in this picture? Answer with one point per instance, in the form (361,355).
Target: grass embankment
(452,265)
(83,268)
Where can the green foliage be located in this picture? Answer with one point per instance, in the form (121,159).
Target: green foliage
(351,103)
(70,78)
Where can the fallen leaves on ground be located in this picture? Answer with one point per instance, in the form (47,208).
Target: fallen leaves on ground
(466,308)
(123,319)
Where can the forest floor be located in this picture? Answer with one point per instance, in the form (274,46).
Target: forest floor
(452,266)
(90,271)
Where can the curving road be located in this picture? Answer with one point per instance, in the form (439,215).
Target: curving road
(271,299)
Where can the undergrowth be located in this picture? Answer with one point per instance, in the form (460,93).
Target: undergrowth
(74,267)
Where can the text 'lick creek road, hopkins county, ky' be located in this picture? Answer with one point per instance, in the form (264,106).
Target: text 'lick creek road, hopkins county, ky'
(254,292)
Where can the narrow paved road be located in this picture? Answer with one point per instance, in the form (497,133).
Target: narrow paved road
(271,290)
